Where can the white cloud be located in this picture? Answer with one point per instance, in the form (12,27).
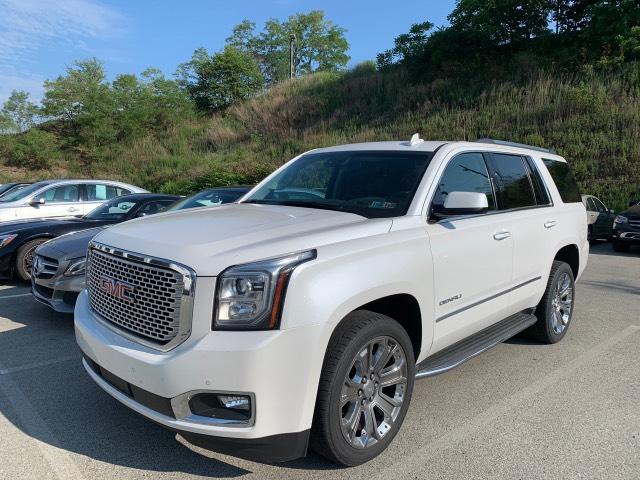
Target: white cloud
(29,25)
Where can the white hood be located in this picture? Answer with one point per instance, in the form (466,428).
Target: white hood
(209,240)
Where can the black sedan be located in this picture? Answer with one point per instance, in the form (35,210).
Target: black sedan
(626,228)
(18,240)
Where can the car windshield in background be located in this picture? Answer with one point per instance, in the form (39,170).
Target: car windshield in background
(208,198)
(374,184)
(21,193)
(114,210)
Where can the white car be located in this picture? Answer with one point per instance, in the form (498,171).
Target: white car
(60,198)
(301,315)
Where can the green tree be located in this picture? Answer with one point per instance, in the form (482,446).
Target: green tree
(320,45)
(34,149)
(18,113)
(78,92)
(407,45)
(216,81)
(503,21)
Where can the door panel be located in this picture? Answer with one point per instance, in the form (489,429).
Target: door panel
(60,201)
(472,255)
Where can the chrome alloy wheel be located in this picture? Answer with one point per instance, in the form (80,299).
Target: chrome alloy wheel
(561,304)
(373,392)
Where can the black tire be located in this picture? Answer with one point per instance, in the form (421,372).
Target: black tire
(621,246)
(544,329)
(25,252)
(357,330)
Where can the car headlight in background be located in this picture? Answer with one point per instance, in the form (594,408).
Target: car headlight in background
(620,219)
(250,296)
(76,267)
(7,239)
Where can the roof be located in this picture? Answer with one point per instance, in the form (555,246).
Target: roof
(424,146)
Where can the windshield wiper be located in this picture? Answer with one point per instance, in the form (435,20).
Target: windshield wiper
(307,204)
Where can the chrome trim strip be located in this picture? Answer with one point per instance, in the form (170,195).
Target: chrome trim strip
(479,302)
(186,307)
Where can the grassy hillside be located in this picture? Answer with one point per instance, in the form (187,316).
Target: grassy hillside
(593,119)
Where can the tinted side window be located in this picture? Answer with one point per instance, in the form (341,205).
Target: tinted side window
(539,188)
(99,192)
(154,206)
(599,205)
(465,173)
(564,180)
(590,205)
(61,194)
(513,184)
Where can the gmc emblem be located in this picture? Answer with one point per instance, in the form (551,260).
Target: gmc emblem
(116,288)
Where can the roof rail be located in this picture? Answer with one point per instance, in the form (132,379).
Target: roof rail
(514,144)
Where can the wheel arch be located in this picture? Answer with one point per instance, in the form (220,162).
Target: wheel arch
(570,254)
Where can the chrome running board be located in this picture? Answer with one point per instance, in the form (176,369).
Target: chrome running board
(466,349)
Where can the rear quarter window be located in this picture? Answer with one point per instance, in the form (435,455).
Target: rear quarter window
(565,180)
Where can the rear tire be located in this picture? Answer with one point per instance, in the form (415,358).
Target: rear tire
(555,310)
(621,247)
(24,258)
(366,385)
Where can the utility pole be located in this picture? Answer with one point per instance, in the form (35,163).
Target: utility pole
(292,69)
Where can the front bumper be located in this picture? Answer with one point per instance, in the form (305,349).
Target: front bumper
(279,369)
(59,292)
(627,234)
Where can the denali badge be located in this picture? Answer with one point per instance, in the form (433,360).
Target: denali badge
(451,299)
(116,288)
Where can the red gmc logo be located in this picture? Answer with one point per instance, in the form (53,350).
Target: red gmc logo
(116,288)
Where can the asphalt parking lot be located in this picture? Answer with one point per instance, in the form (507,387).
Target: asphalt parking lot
(522,410)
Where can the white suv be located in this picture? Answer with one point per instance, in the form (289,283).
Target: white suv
(60,198)
(302,314)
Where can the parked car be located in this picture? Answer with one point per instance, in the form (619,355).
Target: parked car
(8,187)
(58,269)
(626,229)
(211,197)
(262,327)
(599,217)
(19,239)
(60,198)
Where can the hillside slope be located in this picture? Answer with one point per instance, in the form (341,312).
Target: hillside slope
(591,119)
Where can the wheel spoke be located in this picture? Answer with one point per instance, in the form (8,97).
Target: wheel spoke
(393,376)
(387,405)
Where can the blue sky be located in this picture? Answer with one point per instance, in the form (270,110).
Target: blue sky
(39,38)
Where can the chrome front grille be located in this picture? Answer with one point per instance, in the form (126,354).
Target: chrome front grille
(45,267)
(148,299)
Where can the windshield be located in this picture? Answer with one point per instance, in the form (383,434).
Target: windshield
(208,198)
(20,192)
(368,183)
(115,209)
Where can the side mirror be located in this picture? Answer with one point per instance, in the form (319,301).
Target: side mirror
(461,203)
(612,211)
(140,215)
(37,201)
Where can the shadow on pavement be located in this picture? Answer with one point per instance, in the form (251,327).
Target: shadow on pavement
(606,248)
(79,416)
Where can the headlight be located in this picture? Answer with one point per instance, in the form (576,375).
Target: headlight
(621,219)
(7,239)
(251,296)
(76,267)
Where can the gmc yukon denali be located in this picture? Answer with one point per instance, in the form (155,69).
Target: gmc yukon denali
(301,316)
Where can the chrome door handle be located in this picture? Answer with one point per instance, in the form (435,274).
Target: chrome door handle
(72,209)
(550,224)
(501,235)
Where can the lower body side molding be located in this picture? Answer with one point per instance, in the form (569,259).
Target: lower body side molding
(466,349)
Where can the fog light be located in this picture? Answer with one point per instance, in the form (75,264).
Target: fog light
(222,406)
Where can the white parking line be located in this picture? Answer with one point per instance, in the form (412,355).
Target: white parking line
(33,424)
(15,296)
(29,366)
(416,461)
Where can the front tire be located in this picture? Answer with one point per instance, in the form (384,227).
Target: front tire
(365,388)
(555,310)
(24,258)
